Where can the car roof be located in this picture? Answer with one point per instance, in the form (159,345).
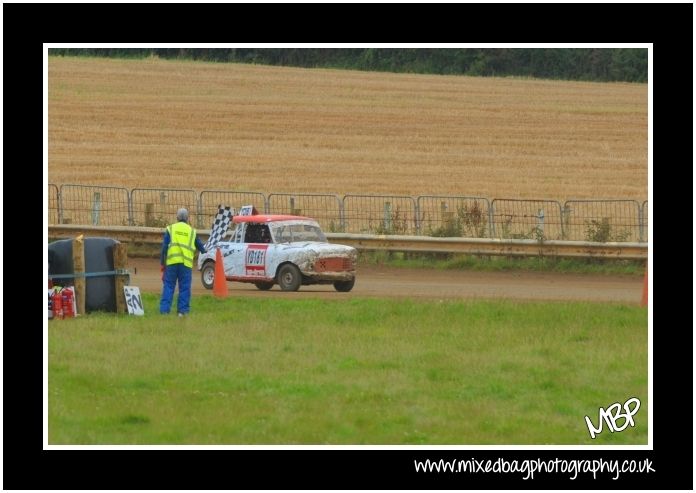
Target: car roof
(267,218)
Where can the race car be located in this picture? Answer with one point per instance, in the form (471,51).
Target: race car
(280,249)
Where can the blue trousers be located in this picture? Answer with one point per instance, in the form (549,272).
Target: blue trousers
(172,274)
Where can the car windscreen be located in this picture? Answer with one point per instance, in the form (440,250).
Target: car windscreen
(290,233)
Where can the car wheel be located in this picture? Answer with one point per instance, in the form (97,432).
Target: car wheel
(208,275)
(344,286)
(289,278)
(263,286)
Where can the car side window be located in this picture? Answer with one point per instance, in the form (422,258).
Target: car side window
(251,233)
(264,234)
(237,235)
(257,233)
(282,234)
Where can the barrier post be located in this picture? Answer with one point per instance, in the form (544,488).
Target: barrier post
(644,299)
(78,250)
(120,257)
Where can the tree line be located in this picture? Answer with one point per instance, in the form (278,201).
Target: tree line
(589,64)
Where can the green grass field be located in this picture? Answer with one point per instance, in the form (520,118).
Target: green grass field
(494,263)
(280,371)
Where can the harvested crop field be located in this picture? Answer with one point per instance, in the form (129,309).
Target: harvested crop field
(173,124)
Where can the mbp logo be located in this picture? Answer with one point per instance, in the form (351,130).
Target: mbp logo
(612,414)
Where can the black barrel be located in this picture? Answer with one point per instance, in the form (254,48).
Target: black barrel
(99,257)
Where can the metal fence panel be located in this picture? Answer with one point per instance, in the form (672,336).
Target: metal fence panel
(526,219)
(644,222)
(53,202)
(442,215)
(95,205)
(325,208)
(379,214)
(211,199)
(435,215)
(157,207)
(602,220)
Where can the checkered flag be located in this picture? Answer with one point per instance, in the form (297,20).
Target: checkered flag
(220,225)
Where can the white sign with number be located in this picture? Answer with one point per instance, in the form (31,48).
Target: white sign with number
(133,300)
(247,210)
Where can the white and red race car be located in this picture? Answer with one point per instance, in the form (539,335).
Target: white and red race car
(278,249)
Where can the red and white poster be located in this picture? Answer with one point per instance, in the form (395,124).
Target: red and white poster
(256,260)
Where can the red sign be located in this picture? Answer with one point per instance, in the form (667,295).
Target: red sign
(256,260)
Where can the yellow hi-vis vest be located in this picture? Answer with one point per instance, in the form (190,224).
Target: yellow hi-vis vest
(181,245)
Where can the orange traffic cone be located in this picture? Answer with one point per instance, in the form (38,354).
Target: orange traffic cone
(644,300)
(219,283)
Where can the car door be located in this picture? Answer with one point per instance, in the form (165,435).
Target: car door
(234,253)
(256,254)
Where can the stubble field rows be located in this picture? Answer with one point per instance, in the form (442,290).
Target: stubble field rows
(173,124)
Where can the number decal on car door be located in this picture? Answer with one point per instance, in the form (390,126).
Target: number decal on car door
(256,260)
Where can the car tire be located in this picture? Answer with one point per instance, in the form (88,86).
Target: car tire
(289,278)
(344,286)
(263,286)
(208,274)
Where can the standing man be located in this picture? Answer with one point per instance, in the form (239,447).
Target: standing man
(176,262)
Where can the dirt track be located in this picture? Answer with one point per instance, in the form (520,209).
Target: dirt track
(418,283)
